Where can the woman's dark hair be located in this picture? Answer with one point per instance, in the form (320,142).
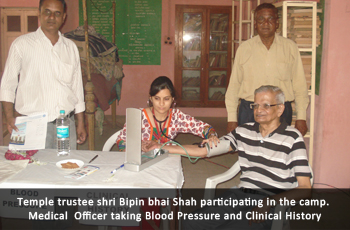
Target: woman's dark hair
(161,83)
(62,1)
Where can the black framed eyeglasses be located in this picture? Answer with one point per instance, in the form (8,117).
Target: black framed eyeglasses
(264,106)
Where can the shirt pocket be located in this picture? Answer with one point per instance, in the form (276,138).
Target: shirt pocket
(283,71)
(67,71)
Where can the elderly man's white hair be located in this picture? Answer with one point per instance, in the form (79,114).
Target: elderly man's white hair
(273,89)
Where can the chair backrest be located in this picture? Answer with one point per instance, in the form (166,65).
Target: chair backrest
(312,178)
(281,224)
(213,181)
(111,141)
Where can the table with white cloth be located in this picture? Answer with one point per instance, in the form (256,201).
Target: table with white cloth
(44,173)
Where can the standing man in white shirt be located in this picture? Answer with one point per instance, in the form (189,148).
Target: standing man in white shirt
(43,74)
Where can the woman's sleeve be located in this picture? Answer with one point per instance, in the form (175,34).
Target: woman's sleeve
(121,140)
(188,124)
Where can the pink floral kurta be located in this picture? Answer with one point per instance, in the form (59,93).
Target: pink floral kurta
(179,123)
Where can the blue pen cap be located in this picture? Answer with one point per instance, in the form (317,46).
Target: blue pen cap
(62,111)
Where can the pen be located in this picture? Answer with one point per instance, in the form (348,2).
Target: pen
(93,159)
(117,168)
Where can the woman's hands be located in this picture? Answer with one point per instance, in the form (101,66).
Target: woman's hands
(149,145)
(212,141)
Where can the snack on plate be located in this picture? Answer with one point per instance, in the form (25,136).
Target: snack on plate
(69,165)
(20,155)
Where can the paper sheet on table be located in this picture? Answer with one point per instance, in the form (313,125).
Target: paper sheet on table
(31,134)
(10,168)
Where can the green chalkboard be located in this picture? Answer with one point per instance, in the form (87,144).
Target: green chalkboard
(138,27)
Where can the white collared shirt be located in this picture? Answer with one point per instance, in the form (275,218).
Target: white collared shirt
(39,76)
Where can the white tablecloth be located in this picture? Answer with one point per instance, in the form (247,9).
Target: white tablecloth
(24,181)
(164,174)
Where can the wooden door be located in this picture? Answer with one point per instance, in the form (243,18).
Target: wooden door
(15,22)
(202,55)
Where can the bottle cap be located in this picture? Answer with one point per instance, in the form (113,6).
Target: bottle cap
(62,111)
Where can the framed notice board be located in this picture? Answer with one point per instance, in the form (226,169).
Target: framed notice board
(137,27)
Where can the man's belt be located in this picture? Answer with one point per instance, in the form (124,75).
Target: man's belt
(68,115)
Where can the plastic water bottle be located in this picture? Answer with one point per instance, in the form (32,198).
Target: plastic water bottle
(62,130)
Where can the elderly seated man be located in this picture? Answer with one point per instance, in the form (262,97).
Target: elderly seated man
(272,157)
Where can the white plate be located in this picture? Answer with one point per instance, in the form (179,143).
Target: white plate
(78,162)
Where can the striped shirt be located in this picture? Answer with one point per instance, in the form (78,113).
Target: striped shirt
(272,162)
(50,76)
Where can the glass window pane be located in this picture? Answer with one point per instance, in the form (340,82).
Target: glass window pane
(191,59)
(218,41)
(219,23)
(217,85)
(192,41)
(217,94)
(218,59)
(191,78)
(32,23)
(192,22)
(217,78)
(192,27)
(191,85)
(190,94)
(14,23)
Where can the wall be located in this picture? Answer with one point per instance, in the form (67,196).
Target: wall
(12,3)
(72,19)
(331,157)
(331,143)
(135,94)
(19,3)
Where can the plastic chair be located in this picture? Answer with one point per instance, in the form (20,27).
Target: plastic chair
(213,181)
(111,141)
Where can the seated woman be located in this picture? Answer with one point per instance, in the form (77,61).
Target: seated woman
(161,123)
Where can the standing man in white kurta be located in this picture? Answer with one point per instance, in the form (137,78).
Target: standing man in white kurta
(43,74)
